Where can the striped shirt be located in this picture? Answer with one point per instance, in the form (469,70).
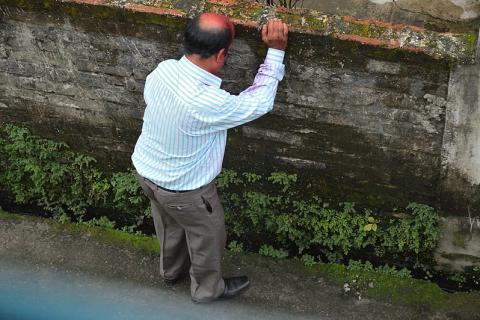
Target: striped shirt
(185,123)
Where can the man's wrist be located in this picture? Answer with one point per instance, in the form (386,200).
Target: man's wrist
(275,56)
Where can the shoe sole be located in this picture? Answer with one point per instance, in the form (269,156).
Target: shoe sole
(237,292)
(222,297)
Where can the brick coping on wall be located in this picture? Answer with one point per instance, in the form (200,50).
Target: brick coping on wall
(459,48)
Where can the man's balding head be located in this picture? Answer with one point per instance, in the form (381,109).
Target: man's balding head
(215,21)
(207,34)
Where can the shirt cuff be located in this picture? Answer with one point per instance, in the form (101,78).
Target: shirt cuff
(275,56)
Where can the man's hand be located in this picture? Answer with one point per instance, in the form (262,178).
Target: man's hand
(275,34)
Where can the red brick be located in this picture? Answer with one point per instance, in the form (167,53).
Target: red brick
(93,2)
(382,24)
(415,50)
(246,23)
(155,10)
(282,10)
(227,3)
(368,41)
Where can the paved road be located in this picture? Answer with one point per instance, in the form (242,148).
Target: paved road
(73,274)
(41,293)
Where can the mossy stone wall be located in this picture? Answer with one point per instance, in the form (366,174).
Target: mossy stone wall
(356,122)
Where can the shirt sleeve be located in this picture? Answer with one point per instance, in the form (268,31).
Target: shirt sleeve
(252,103)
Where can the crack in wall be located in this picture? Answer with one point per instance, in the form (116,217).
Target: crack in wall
(397,5)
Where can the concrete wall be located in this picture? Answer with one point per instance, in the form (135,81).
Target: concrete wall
(357,118)
(368,112)
(79,80)
(461,143)
(439,15)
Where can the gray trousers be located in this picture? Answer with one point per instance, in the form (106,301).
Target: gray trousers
(190,228)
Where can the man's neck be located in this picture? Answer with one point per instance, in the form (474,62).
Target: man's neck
(200,62)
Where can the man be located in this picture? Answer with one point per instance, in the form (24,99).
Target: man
(180,150)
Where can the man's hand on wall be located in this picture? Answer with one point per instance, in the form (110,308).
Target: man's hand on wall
(275,34)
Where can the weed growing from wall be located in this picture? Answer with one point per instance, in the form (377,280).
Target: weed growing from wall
(263,214)
(279,218)
(65,183)
(48,174)
(269,251)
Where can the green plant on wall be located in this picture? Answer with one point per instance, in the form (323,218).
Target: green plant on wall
(280,216)
(263,213)
(235,246)
(127,194)
(269,251)
(416,233)
(48,174)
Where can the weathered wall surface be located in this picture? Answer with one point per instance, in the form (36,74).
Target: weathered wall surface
(461,150)
(439,15)
(358,117)
(459,245)
(79,79)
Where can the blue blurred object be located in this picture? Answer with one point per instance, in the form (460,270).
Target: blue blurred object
(31,292)
(46,294)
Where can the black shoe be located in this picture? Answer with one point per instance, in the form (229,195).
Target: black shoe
(233,286)
(174,281)
(170,282)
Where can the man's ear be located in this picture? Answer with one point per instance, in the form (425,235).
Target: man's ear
(221,55)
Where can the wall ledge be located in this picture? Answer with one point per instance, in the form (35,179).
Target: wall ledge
(457,48)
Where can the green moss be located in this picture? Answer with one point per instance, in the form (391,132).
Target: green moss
(316,23)
(389,288)
(141,242)
(11,216)
(290,19)
(361,30)
(405,291)
(245,11)
(369,31)
(98,12)
(331,271)
(471,40)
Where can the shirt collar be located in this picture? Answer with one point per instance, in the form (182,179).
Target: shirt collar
(198,73)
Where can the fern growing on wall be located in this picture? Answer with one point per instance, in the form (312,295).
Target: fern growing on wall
(263,213)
